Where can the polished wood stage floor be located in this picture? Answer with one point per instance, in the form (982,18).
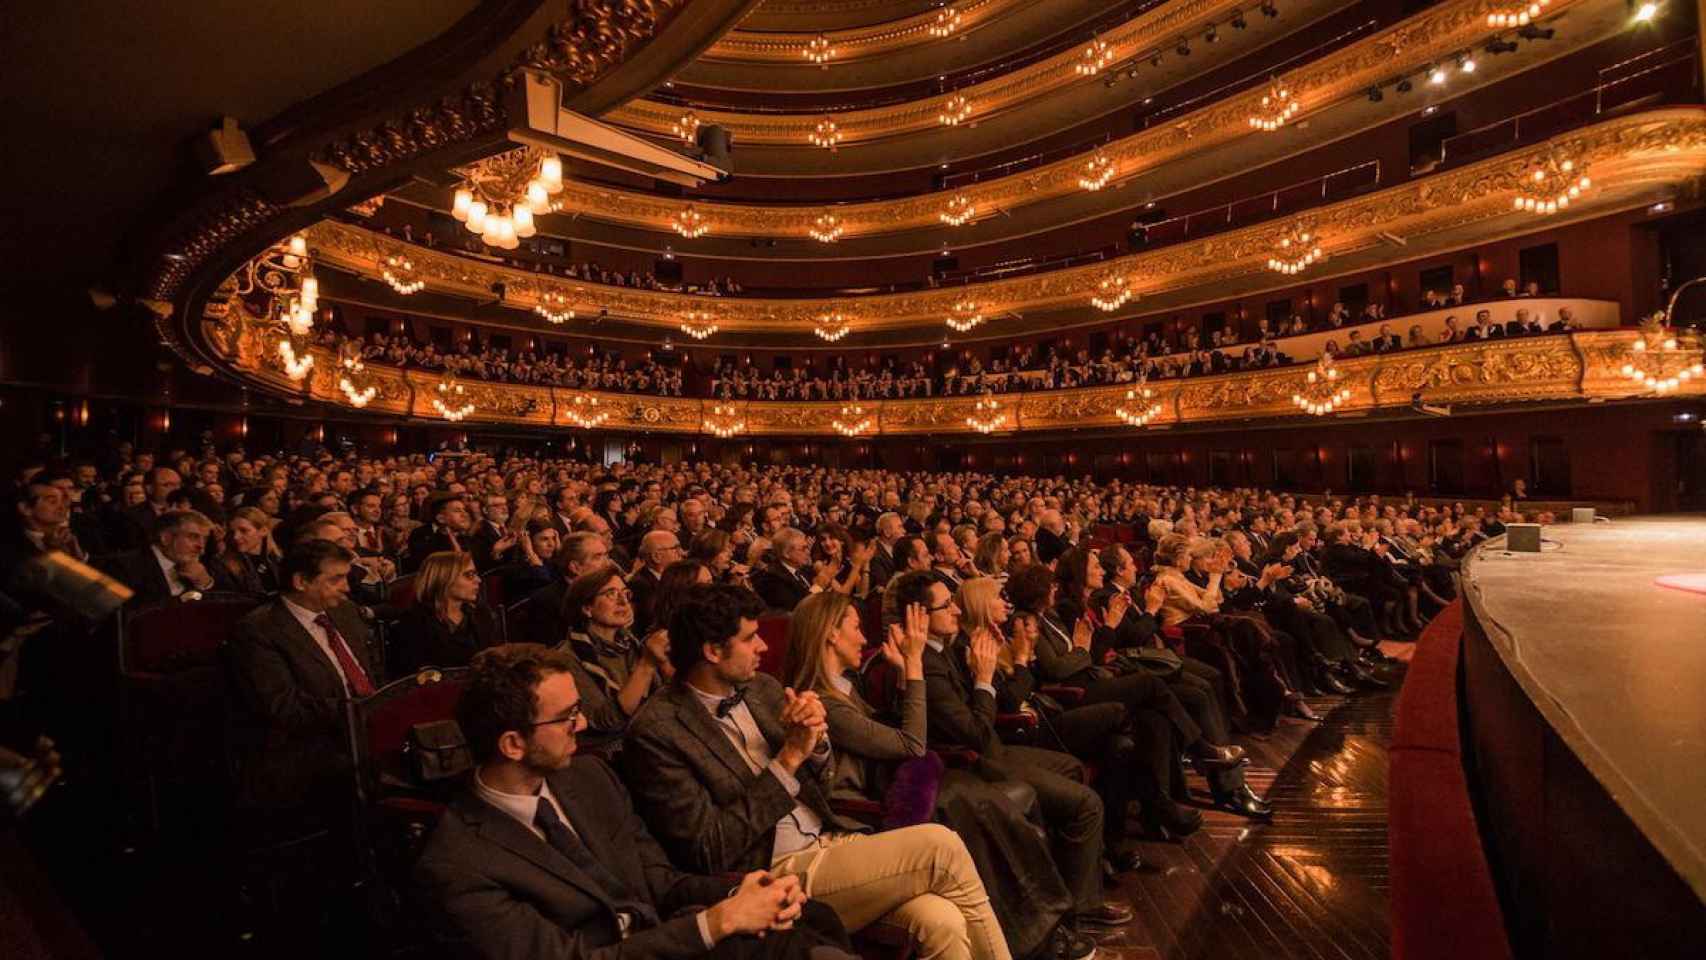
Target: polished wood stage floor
(1311,884)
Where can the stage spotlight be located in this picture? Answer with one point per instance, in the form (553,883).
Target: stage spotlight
(1436,75)
(1466,63)
(1405,86)
(1211,36)
(1238,21)
(1184,48)
(1268,8)
(1375,95)
(1645,11)
(1155,59)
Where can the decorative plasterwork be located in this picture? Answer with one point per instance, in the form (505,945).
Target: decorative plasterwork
(856,43)
(1580,366)
(1637,153)
(1138,35)
(1345,73)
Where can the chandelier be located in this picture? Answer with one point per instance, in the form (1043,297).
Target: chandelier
(1517,17)
(1112,293)
(690,223)
(583,412)
(853,421)
(698,324)
(499,196)
(826,134)
(959,210)
(946,22)
(832,326)
(724,420)
(451,404)
(1095,56)
(987,416)
(955,110)
(1298,248)
(964,314)
(1277,106)
(1140,405)
(399,272)
(295,366)
(1549,184)
(819,50)
(1657,361)
(554,307)
(1322,392)
(826,228)
(686,127)
(283,274)
(1098,170)
(353,367)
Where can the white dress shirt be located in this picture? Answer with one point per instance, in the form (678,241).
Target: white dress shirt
(802,826)
(174,581)
(306,617)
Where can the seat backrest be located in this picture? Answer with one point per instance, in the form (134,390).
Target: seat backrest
(882,682)
(871,620)
(774,632)
(401,591)
(492,589)
(176,637)
(385,719)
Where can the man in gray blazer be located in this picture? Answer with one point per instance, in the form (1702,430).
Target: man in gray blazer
(541,858)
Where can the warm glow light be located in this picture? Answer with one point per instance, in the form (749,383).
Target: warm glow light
(698,324)
(723,420)
(1550,184)
(459,207)
(819,50)
(1276,107)
(955,110)
(1297,249)
(964,315)
(987,416)
(832,326)
(826,134)
(826,228)
(960,210)
(1097,55)
(399,273)
(853,421)
(1646,12)
(1098,170)
(554,307)
(1319,394)
(1112,293)
(1140,406)
(690,223)
(583,412)
(551,172)
(946,22)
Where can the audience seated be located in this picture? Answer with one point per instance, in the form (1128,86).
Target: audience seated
(171,565)
(447,624)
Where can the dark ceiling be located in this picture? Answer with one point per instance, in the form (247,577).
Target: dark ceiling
(106,98)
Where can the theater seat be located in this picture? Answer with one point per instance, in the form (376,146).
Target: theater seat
(400,593)
(774,631)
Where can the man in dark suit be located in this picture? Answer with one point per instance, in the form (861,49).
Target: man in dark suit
(542,855)
(658,549)
(732,772)
(294,662)
(950,563)
(140,520)
(450,529)
(790,578)
(884,562)
(170,566)
(961,700)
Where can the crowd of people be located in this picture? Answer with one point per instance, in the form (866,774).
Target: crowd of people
(485,362)
(617,612)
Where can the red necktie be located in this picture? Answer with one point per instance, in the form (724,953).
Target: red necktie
(356,677)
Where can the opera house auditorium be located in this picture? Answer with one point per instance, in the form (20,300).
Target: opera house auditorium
(854,480)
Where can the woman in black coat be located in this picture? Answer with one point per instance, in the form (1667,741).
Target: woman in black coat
(448,624)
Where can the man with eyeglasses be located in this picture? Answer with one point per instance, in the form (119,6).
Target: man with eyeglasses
(542,856)
(658,549)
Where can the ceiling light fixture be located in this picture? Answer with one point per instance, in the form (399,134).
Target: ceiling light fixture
(686,128)
(1549,184)
(853,421)
(698,324)
(832,326)
(358,397)
(1097,55)
(1112,292)
(554,307)
(723,420)
(987,416)
(583,411)
(1658,361)
(295,366)
(946,22)
(1645,12)
(1140,405)
(499,196)
(690,223)
(451,402)
(399,274)
(820,51)
(1298,247)
(826,134)
(955,110)
(1466,63)
(827,228)
(1437,75)
(959,211)
(1321,392)
(964,315)
(1277,106)
(1098,171)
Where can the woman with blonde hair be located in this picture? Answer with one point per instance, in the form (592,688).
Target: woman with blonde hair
(447,624)
(878,761)
(251,556)
(992,556)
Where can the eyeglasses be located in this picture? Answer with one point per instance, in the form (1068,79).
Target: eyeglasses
(941,606)
(611,593)
(571,717)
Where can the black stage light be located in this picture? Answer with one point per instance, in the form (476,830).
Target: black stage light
(1155,59)
(1238,21)
(1404,85)
(1532,32)
(1375,95)
(1268,8)
(1184,48)
(1211,36)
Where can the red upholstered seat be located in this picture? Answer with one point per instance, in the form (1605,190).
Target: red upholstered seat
(383,722)
(178,636)
(774,631)
(400,592)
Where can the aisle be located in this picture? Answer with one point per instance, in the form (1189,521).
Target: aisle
(1311,884)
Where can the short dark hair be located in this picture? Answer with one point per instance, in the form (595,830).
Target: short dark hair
(583,589)
(307,557)
(707,613)
(911,587)
(904,550)
(501,694)
(443,501)
(1027,587)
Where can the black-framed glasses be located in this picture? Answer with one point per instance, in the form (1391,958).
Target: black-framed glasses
(574,714)
(945,604)
(611,593)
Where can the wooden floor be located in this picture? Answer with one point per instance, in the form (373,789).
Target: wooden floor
(1311,884)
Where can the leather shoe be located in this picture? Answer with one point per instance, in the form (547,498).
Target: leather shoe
(1124,860)
(1211,757)
(1069,944)
(1300,708)
(1331,681)
(1175,824)
(1244,802)
(1366,677)
(1109,914)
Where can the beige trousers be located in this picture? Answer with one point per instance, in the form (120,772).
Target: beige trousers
(920,878)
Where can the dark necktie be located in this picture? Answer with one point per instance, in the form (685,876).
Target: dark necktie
(354,675)
(558,834)
(728,703)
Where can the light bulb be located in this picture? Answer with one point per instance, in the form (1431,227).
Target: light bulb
(523,218)
(551,172)
(299,245)
(459,208)
(538,198)
(476,217)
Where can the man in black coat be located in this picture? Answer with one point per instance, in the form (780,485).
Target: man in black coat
(294,663)
(791,578)
(171,565)
(543,856)
(141,519)
(450,529)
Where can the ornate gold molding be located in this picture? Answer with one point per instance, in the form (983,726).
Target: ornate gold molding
(1409,46)
(1628,156)
(1579,366)
(856,43)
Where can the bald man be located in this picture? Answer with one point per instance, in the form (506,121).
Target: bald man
(658,550)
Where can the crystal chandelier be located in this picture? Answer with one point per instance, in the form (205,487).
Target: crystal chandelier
(1277,106)
(964,315)
(353,368)
(283,274)
(295,366)
(451,404)
(724,420)
(399,273)
(1112,293)
(1517,16)
(554,307)
(1549,184)
(583,412)
(1322,393)
(826,134)
(1298,248)
(1140,405)
(499,196)
(819,50)
(1658,361)
(1095,56)
(946,22)
(987,416)
(853,421)
(690,223)
(826,228)
(832,326)
(955,110)
(686,128)
(1098,170)
(960,210)
(698,324)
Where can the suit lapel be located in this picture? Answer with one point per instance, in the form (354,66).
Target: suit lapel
(502,829)
(698,722)
(308,653)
